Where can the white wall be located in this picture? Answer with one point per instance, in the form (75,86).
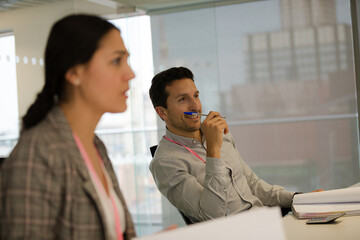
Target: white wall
(31,27)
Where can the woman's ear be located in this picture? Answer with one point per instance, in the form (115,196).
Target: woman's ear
(162,112)
(72,75)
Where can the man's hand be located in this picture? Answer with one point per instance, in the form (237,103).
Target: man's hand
(213,128)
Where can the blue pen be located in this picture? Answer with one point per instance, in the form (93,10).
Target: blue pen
(196,113)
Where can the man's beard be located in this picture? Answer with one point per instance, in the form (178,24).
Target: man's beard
(181,124)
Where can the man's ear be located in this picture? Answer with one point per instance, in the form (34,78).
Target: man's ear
(72,75)
(162,112)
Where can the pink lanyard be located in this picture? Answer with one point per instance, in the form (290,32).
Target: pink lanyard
(187,148)
(100,186)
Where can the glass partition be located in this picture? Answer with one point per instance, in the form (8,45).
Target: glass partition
(285,81)
(128,136)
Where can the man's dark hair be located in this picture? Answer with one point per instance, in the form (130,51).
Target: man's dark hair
(163,79)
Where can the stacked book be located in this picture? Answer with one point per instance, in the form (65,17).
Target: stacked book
(325,203)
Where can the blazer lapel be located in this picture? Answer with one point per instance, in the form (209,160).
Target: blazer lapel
(89,187)
(57,117)
(129,232)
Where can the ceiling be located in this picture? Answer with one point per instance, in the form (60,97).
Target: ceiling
(7,5)
(147,6)
(163,5)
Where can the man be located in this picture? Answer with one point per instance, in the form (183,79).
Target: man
(197,166)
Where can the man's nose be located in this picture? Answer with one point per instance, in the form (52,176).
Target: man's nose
(195,104)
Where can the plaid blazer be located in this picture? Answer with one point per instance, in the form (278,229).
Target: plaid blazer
(45,188)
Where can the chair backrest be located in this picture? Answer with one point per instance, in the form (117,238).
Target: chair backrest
(2,159)
(284,211)
(185,218)
(153,149)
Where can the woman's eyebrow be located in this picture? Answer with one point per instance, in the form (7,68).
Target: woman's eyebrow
(121,52)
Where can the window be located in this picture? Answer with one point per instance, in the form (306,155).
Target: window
(300,131)
(9,120)
(128,135)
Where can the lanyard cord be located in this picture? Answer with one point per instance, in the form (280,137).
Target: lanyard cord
(187,148)
(97,180)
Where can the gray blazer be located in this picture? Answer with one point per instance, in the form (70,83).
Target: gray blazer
(45,188)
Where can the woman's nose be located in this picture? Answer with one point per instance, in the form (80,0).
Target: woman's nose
(130,75)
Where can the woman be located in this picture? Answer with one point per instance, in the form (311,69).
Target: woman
(58,182)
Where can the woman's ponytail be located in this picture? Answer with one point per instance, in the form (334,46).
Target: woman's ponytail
(39,109)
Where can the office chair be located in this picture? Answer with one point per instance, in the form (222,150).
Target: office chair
(2,159)
(153,149)
(284,211)
(185,218)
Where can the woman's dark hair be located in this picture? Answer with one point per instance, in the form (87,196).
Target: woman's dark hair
(73,40)
(160,81)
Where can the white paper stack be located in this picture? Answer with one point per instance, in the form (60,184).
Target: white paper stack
(326,203)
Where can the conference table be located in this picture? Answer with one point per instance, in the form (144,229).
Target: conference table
(343,228)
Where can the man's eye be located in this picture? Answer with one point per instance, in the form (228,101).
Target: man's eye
(181,99)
